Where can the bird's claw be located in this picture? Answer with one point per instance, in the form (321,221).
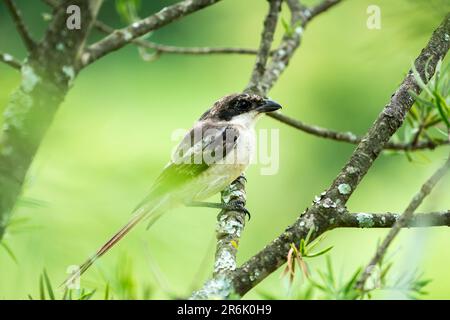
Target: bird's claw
(238,206)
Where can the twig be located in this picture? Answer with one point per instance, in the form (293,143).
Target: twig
(124,36)
(10,60)
(20,25)
(352,138)
(387,220)
(267,34)
(403,221)
(300,17)
(101,26)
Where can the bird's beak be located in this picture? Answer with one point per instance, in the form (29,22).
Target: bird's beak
(268,106)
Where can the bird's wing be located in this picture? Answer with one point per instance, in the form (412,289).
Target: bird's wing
(202,147)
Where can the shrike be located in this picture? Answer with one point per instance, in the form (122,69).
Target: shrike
(213,154)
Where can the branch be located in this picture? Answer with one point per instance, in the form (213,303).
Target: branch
(160,48)
(403,221)
(321,217)
(388,220)
(20,25)
(352,138)
(124,36)
(267,34)
(10,60)
(300,17)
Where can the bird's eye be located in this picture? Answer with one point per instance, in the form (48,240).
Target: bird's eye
(243,104)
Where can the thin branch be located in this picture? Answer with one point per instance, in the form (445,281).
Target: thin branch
(321,216)
(20,25)
(120,38)
(322,7)
(300,17)
(267,34)
(160,48)
(403,221)
(10,60)
(352,138)
(388,220)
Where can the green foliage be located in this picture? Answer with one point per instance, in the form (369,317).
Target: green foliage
(330,288)
(325,284)
(296,255)
(432,107)
(428,119)
(46,291)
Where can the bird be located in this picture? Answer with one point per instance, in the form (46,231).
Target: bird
(214,152)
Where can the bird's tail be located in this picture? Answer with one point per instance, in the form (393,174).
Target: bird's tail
(138,216)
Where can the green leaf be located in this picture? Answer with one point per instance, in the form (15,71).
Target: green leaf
(287,27)
(9,251)
(49,286)
(351,283)
(419,80)
(41,288)
(107,292)
(442,108)
(420,101)
(330,270)
(87,295)
(308,236)
(319,253)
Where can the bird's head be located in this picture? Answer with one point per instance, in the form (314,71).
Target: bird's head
(238,106)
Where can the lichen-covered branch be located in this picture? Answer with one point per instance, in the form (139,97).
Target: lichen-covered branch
(352,138)
(387,220)
(124,36)
(20,25)
(403,221)
(321,217)
(10,60)
(230,225)
(47,74)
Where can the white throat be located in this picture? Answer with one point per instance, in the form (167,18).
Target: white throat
(247,120)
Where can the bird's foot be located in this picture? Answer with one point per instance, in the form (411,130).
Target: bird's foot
(237,206)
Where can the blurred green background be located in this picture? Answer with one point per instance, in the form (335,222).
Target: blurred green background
(100,156)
